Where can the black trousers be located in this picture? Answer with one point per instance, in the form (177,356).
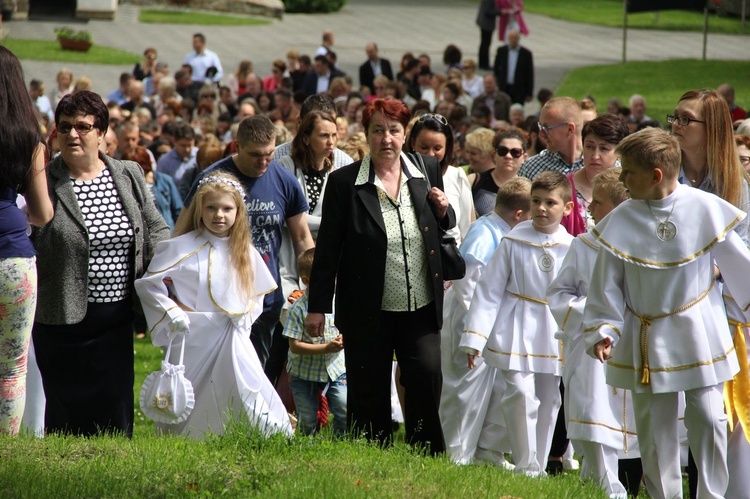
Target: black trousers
(87,371)
(261,334)
(416,341)
(484,50)
(278,355)
(516,93)
(560,436)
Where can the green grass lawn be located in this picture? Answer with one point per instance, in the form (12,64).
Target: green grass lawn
(45,50)
(163,16)
(661,83)
(610,13)
(243,463)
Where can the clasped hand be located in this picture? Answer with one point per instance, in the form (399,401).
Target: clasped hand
(439,200)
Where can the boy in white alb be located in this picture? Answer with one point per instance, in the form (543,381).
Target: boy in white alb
(470,412)
(655,312)
(509,322)
(599,420)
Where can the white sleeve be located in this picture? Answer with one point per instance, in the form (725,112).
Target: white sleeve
(287,266)
(464,288)
(564,294)
(158,307)
(466,202)
(733,259)
(219,70)
(488,295)
(603,316)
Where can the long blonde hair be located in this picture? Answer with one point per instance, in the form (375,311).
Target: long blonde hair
(724,167)
(240,241)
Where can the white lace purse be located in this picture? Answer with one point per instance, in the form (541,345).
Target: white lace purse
(166,395)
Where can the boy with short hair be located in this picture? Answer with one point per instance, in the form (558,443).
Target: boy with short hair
(655,313)
(599,420)
(477,431)
(315,364)
(510,323)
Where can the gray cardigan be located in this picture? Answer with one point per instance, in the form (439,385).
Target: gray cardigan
(63,244)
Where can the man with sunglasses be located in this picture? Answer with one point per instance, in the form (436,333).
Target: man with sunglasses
(560,124)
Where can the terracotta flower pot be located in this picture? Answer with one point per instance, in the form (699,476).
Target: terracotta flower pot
(79,45)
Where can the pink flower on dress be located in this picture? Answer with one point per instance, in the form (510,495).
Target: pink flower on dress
(11,389)
(27,290)
(14,426)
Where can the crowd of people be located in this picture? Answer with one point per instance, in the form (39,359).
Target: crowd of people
(287,229)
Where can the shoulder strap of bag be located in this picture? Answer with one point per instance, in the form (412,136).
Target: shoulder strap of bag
(433,177)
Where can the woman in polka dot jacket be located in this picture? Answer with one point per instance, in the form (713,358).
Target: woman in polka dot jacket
(88,257)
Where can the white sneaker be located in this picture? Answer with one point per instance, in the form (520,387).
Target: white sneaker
(495,459)
(571,464)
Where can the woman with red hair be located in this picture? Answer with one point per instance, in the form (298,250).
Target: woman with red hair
(379,247)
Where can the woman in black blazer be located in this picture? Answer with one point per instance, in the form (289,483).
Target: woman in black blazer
(378,247)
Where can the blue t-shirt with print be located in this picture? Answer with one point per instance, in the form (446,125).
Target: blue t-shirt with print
(270,199)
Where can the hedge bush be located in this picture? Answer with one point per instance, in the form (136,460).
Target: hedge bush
(312,6)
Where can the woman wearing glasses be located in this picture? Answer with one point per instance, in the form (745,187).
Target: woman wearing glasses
(600,136)
(507,154)
(22,160)
(88,257)
(743,150)
(431,135)
(702,125)
(378,247)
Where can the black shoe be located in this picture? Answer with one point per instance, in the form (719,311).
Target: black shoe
(554,468)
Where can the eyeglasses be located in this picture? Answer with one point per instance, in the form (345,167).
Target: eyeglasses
(745,160)
(546,129)
(681,120)
(430,116)
(516,152)
(81,128)
(208,96)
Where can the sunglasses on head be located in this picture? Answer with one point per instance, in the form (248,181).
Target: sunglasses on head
(437,117)
(516,152)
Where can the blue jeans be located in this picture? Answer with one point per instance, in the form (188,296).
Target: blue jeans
(306,400)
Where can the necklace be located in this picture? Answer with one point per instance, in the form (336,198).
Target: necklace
(666,230)
(545,262)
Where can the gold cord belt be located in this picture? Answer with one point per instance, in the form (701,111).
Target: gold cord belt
(646,321)
(528,298)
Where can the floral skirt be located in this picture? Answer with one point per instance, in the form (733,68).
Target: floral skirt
(17,307)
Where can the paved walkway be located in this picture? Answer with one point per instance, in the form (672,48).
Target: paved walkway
(396,25)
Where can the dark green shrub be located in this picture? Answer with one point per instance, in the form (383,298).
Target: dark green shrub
(312,6)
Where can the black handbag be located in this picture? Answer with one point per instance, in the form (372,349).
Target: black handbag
(454,266)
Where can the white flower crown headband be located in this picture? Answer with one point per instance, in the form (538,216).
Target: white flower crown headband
(221,180)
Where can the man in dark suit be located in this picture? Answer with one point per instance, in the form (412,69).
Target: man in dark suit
(514,69)
(319,79)
(373,66)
